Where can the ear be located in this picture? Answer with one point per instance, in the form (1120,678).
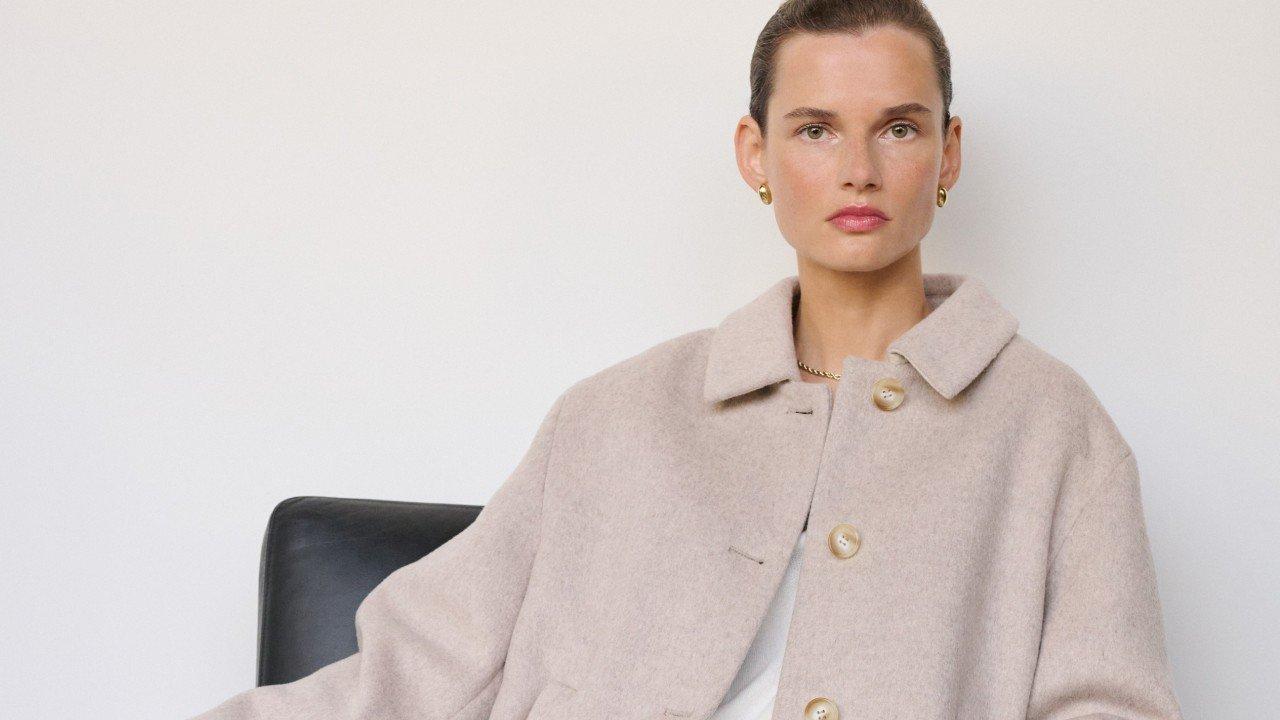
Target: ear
(950,171)
(748,144)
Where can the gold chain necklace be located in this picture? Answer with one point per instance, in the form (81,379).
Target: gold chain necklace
(823,373)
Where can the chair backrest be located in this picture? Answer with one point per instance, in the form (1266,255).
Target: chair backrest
(320,557)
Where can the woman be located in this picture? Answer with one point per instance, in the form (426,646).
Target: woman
(862,495)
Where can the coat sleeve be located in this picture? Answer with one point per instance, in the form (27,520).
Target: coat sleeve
(1102,648)
(432,637)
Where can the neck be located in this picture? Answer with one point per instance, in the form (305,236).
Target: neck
(855,313)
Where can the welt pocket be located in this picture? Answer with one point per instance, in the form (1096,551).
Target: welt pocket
(562,701)
(550,698)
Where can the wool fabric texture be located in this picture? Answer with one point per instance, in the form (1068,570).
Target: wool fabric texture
(624,567)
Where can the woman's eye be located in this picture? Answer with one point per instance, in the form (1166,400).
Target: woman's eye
(905,125)
(807,129)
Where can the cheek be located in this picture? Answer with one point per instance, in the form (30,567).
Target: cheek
(804,180)
(913,174)
(801,171)
(915,193)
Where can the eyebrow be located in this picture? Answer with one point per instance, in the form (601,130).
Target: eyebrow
(821,114)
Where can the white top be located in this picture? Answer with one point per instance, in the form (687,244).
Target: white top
(751,694)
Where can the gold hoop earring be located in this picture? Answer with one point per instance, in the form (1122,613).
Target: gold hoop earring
(766,197)
(942,196)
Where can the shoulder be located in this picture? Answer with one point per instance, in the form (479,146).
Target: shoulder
(1055,399)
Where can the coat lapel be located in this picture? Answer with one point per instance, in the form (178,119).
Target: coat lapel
(754,346)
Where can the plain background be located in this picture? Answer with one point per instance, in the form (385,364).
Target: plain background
(256,250)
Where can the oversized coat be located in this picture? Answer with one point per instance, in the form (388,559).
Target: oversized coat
(981,546)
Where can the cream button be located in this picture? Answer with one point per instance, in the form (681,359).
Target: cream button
(887,393)
(821,708)
(843,540)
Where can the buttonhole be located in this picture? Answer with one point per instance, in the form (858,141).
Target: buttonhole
(743,553)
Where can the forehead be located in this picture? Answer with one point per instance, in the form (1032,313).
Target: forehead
(868,70)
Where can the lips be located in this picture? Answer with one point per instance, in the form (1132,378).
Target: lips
(858,211)
(858,223)
(858,218)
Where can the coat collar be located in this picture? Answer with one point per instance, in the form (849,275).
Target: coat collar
(754,346)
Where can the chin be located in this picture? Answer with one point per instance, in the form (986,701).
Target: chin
(853,252)
(851,261)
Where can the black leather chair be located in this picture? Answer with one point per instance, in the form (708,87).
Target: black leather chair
(320,557)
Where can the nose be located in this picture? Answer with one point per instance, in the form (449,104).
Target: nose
(860,165)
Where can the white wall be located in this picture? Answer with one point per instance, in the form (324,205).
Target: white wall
(256,250)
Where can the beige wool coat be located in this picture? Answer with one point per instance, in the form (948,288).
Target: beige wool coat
(982,551)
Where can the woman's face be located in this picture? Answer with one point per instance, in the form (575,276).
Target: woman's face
(861,151)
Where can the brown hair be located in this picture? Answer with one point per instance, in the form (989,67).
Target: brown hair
(839,16)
